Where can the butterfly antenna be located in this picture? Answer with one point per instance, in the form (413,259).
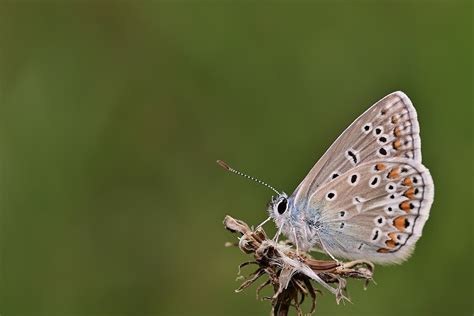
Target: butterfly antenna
(229,168)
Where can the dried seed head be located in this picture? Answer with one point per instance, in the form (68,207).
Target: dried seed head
(292,274)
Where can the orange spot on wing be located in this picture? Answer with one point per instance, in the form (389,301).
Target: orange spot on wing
(380,166)
(391,244)
(394,119)
(410,193)
(393,236)
(407,181)
(383,250)
(397,131)
(399,223)
(396,144)
(405,206)
(394,173)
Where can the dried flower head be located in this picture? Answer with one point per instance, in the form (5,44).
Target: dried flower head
(291,274)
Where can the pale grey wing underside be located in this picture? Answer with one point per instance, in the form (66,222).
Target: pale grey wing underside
(387,129)
(376,210)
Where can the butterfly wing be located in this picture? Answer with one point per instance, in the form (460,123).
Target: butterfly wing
(374,211)
(387,129)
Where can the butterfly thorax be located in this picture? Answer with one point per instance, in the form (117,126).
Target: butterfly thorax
(301,227)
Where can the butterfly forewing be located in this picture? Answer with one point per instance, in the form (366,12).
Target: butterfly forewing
(387,129)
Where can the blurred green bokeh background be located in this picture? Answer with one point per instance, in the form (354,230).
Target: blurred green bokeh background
(112,115)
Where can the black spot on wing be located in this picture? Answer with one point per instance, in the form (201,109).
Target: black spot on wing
(352,155)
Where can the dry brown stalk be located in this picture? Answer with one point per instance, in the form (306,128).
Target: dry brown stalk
(290,274)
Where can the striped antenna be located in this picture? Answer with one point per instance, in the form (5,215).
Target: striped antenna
(229,168)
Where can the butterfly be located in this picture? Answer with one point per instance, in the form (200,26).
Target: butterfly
(369,195)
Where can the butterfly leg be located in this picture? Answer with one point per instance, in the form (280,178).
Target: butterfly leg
(277,235)
(263,223)
(339,263)
(296,242)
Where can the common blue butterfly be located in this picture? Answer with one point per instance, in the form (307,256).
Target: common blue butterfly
(369,195)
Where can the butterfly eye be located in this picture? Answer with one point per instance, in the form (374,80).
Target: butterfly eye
(282,206)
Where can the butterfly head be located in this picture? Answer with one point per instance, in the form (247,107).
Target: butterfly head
(278,206)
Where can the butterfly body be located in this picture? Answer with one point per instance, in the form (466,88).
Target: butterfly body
(369,196)
(302,225)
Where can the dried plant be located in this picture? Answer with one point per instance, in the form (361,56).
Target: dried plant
(290,274)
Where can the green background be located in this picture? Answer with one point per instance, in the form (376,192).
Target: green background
(112,115)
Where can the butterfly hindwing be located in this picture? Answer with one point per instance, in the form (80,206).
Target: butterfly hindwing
(375,210)
(387,129)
